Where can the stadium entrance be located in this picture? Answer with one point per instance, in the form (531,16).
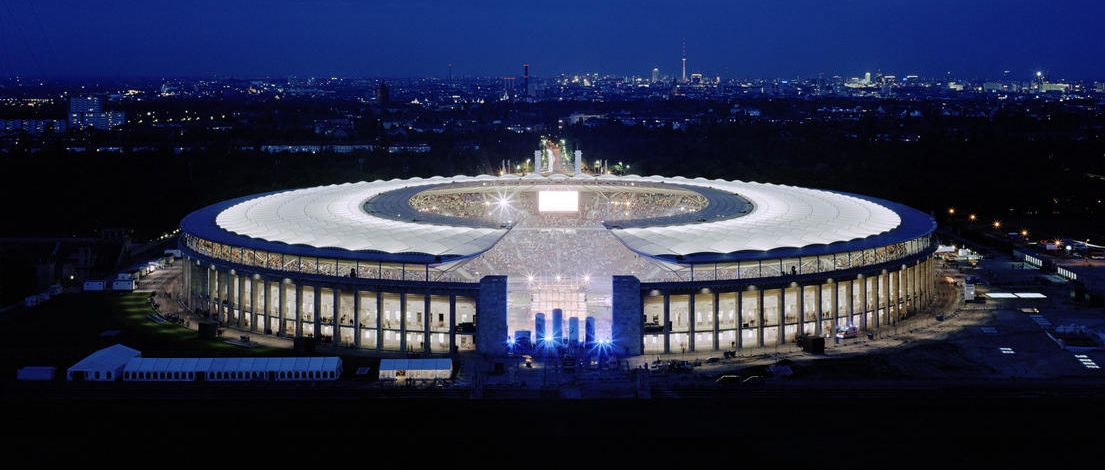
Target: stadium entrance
(559,253)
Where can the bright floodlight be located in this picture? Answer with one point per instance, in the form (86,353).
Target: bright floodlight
(558,201)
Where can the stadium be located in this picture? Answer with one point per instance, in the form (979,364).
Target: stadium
(632,264)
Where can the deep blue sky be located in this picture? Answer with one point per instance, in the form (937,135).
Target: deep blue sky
(785,38)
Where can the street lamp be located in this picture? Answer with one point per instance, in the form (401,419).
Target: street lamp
(997,224)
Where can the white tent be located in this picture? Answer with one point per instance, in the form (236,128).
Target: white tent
(142,369)
(103,365)
(35,373)
(415,369)
(233,369)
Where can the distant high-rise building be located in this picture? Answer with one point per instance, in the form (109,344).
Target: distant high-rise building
(383,94)
(684,61)
(85,104)
(655,74)
(85,112)
(525,79)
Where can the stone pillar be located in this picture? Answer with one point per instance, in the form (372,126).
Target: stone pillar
(282,309)
(851,302)
(740,319)
(922,285)
(760,318)
(863,302)
(403,321)
(915,286)
(253,301)
(379,320)
(214,292)
(717,321)
(298,310)
(818,297)
(335,318)
(919,286)
(880,294)
(781,336)
(834,297)
(318,313)
(228,291)
(491,328)
(220,296)
(667,323)
(426,324)
(356,318)
(241,305)
(626,312)
(914,294)
(891,296)
(266,316)
(453,322)
(691,319)
(800,303)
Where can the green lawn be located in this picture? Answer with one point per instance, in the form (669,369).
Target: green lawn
(63,330)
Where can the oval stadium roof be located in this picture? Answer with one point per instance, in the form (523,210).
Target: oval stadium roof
(331,221)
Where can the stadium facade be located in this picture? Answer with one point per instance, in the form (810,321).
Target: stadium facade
(642,265)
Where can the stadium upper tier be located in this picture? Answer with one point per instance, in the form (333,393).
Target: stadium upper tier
(716,221)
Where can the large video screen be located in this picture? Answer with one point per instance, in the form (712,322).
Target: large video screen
(558,201)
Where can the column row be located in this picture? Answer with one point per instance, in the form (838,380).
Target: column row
(362,318)
(754,317)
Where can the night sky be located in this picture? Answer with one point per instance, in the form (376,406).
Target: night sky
(766,38)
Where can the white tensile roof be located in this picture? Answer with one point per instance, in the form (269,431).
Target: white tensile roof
(106,359)
(781,217)
(233,364)
(334,217)
(416,364)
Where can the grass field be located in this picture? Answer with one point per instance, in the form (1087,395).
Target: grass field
(65,329)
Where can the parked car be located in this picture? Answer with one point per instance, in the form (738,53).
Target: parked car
(845,332)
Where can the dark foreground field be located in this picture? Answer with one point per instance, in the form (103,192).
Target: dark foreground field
(884,429)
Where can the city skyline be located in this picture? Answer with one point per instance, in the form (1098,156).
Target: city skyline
(56,39)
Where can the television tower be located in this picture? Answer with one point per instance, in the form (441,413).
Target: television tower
(684,60)
(525,79)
